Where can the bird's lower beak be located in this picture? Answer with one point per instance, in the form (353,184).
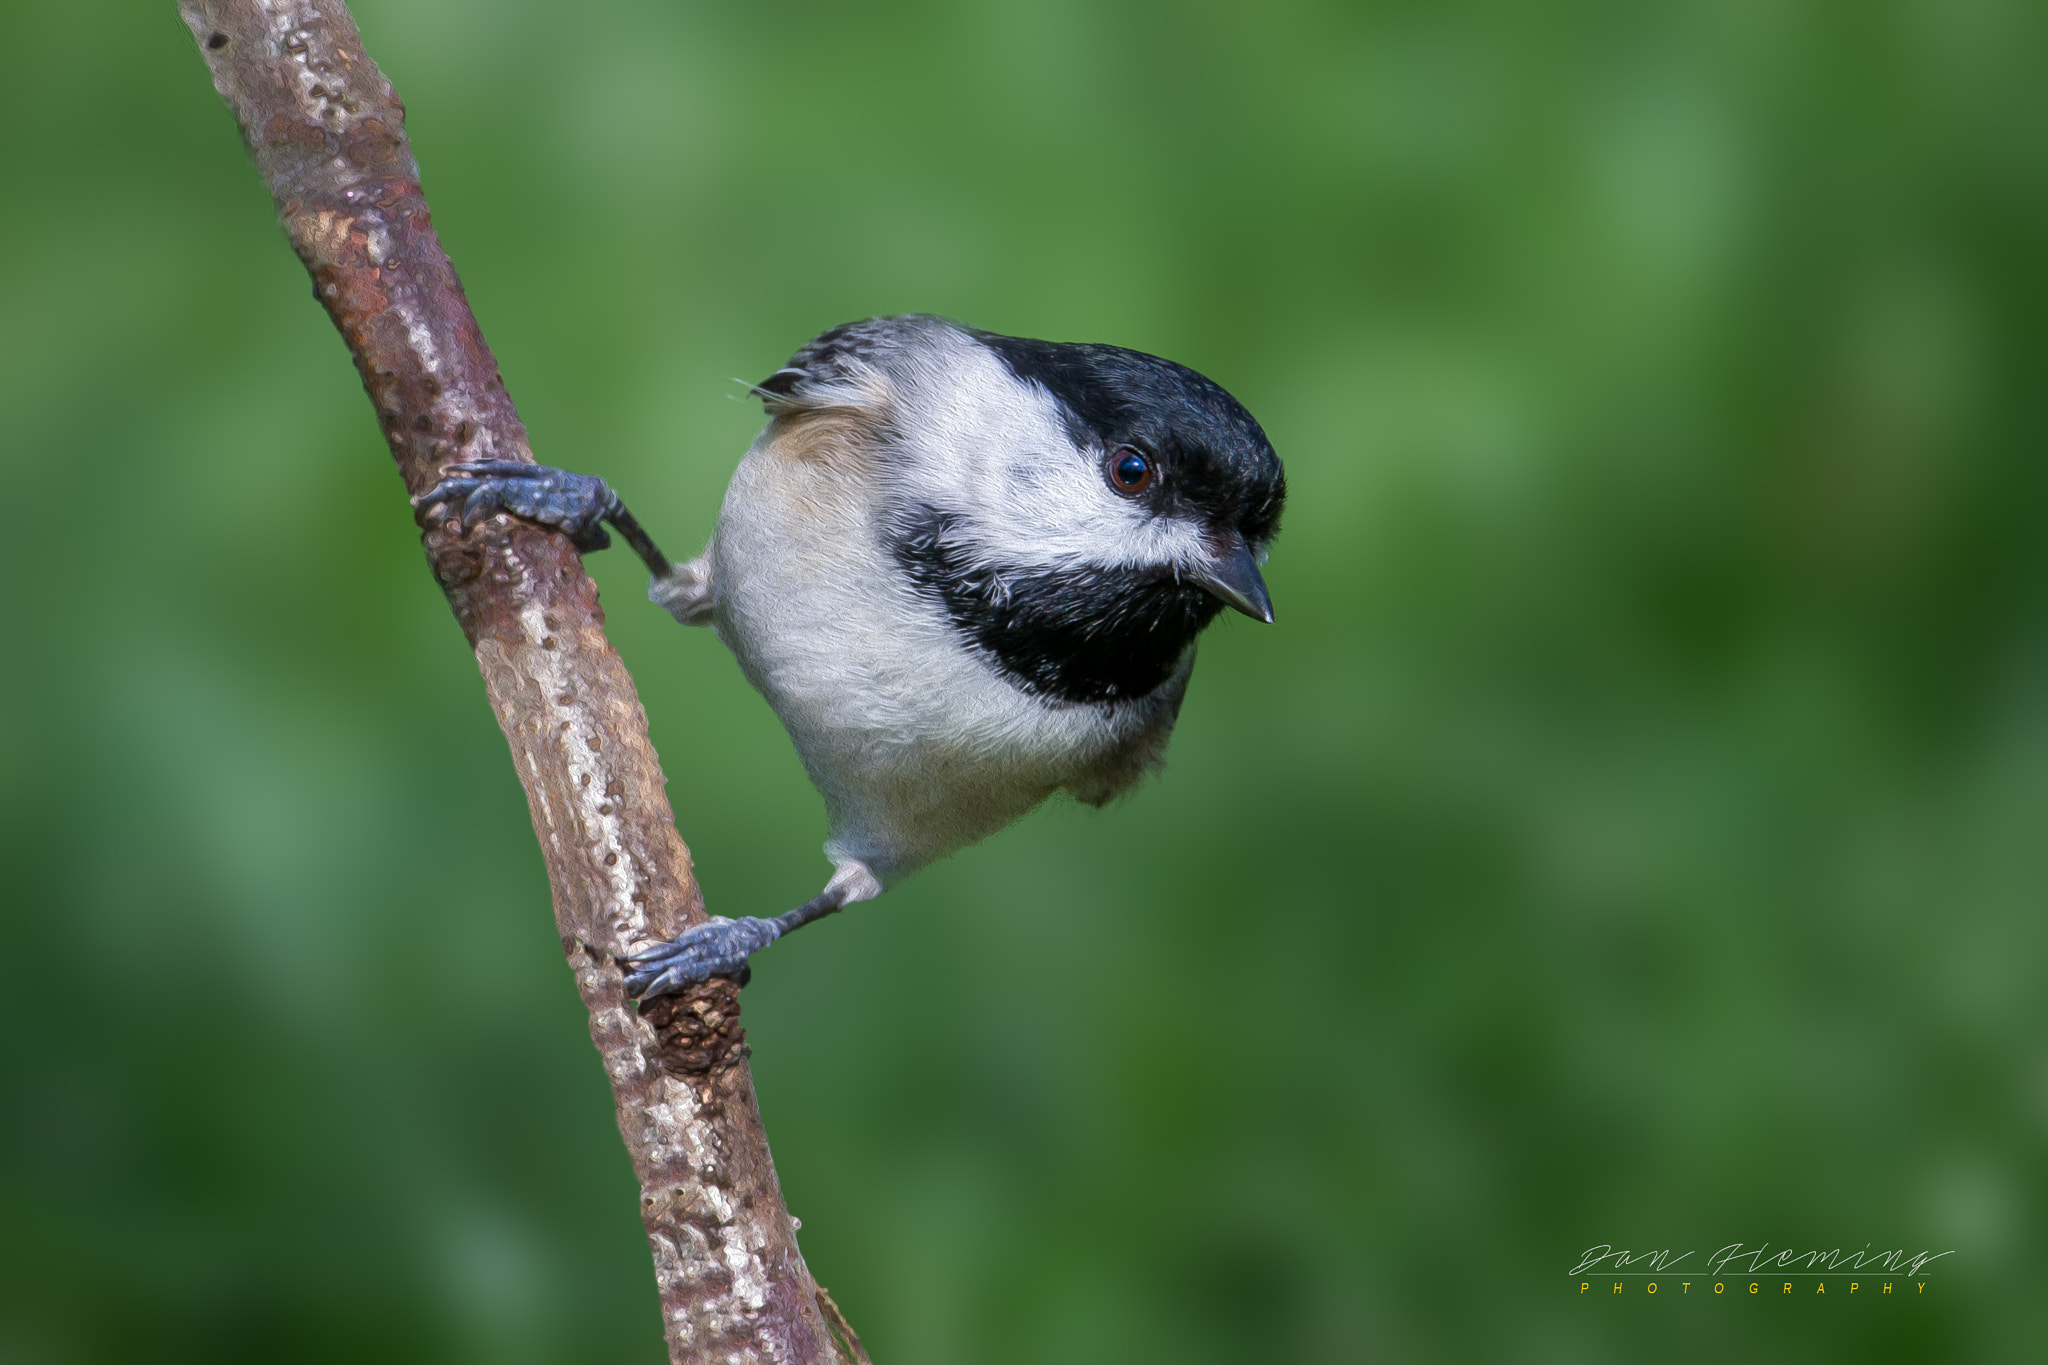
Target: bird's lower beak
(1232,576)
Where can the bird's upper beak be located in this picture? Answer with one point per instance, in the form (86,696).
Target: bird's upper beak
(1232,576)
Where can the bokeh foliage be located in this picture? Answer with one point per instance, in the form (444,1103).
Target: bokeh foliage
(1635,830)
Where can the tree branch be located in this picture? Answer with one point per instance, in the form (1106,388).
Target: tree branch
(328,136)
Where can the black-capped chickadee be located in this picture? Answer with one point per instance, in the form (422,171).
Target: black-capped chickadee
(966,570)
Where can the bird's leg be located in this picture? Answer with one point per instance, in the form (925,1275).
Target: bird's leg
(721,947)
(575,504)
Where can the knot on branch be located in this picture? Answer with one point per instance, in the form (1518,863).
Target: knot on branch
(698,1032)
(455,557)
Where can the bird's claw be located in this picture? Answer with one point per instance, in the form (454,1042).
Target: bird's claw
(718,947)
(574,504)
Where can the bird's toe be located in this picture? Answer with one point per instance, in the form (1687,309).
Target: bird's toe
(718,947)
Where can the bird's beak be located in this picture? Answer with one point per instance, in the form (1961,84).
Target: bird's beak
(1232,576)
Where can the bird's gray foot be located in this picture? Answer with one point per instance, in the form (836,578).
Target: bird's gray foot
(718,947)
(721,947)
(577,505)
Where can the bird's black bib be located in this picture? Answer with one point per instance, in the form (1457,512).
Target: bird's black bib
(1077,635)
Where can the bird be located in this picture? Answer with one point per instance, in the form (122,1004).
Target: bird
(966,570)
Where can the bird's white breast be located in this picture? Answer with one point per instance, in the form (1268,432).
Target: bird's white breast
(917,743)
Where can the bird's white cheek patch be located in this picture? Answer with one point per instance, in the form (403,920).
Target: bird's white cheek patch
(996,453)
(1109,533)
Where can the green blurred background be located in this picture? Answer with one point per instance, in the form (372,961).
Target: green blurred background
(1646,783)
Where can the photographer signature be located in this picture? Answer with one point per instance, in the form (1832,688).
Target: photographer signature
(1760,1259)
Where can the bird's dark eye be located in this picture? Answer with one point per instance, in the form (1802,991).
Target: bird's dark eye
(1129,471)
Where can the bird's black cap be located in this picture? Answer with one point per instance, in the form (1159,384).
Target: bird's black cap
(1216,463)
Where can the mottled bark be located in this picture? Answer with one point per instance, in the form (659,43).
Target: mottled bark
(328,136)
